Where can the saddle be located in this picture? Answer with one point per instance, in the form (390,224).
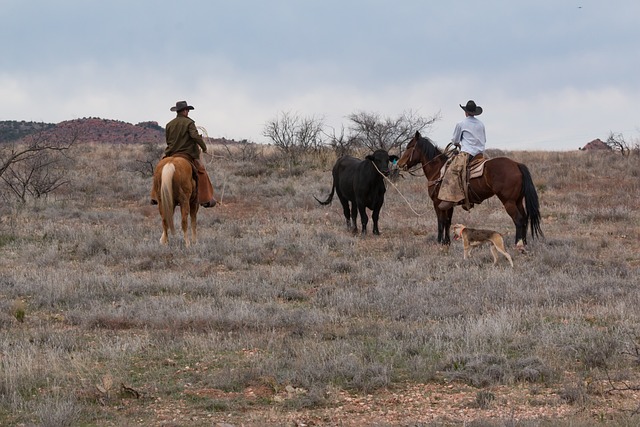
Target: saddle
(475,167)
(457,189)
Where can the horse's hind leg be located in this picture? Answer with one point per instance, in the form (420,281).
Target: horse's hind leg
(184,211)
(515,211)
(165,228)
(193,213)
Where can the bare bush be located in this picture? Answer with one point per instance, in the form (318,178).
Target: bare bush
(618,143)
(294,135)
(373,131)
(34,168)
(146,162)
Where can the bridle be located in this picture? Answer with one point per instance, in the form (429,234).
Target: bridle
(418,166)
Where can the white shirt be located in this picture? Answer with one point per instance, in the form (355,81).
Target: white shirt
(471,136)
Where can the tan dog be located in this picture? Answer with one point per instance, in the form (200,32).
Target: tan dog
(472,237)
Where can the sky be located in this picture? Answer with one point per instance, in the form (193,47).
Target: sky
(550,75)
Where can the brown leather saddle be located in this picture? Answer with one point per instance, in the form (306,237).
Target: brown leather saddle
(475,167)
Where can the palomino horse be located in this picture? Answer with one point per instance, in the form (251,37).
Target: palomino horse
(175,185)
(502,177)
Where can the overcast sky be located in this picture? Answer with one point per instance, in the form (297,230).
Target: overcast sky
(549,74)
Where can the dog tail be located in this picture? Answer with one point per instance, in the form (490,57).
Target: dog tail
(531,202)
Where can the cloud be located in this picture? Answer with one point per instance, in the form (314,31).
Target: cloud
(549,76)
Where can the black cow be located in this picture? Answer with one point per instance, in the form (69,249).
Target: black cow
(361,182)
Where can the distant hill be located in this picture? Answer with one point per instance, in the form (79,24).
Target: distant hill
(91,129)
(12,130)
(596,144)
(84,130)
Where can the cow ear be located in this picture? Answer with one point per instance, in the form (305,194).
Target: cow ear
(418,134)
(394,158)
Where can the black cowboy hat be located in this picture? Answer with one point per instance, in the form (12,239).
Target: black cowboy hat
(472,108)
(181,105)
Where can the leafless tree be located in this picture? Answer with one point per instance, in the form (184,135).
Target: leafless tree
(341,144)
(295,135)
(151,155)
(617,142)
(34,167)
(373,131)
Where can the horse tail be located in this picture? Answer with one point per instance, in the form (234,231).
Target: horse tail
(329,199)
(531,201)
(166,194)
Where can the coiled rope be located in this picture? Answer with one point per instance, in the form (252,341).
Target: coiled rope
(210,155)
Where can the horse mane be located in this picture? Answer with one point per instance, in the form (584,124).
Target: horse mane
(428,147)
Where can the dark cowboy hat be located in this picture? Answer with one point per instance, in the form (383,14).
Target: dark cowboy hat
(181,105)
(472,108)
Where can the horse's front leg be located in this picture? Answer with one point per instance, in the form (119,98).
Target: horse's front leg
(193,213)
(444,225)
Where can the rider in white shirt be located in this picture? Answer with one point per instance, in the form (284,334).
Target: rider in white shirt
(469,135)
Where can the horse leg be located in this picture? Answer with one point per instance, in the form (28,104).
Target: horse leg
(193,213)
(519,220)
(164,239)
(184,213)
(524,220)
(444,225)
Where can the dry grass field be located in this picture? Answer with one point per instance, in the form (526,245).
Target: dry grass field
(279,316)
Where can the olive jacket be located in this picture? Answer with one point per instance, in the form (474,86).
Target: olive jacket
(183,137)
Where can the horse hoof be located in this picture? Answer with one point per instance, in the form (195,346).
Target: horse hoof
(211,203)
(154,202)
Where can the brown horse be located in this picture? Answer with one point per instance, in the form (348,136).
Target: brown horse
(502,177)
(175,185)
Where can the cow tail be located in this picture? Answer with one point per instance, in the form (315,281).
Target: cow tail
(531,202)
(329,199)
(166,195)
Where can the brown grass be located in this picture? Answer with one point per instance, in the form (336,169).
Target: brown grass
(280,316)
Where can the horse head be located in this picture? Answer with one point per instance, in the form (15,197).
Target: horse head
(419,150)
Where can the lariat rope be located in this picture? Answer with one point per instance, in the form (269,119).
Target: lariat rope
(205,137)
(399,192)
